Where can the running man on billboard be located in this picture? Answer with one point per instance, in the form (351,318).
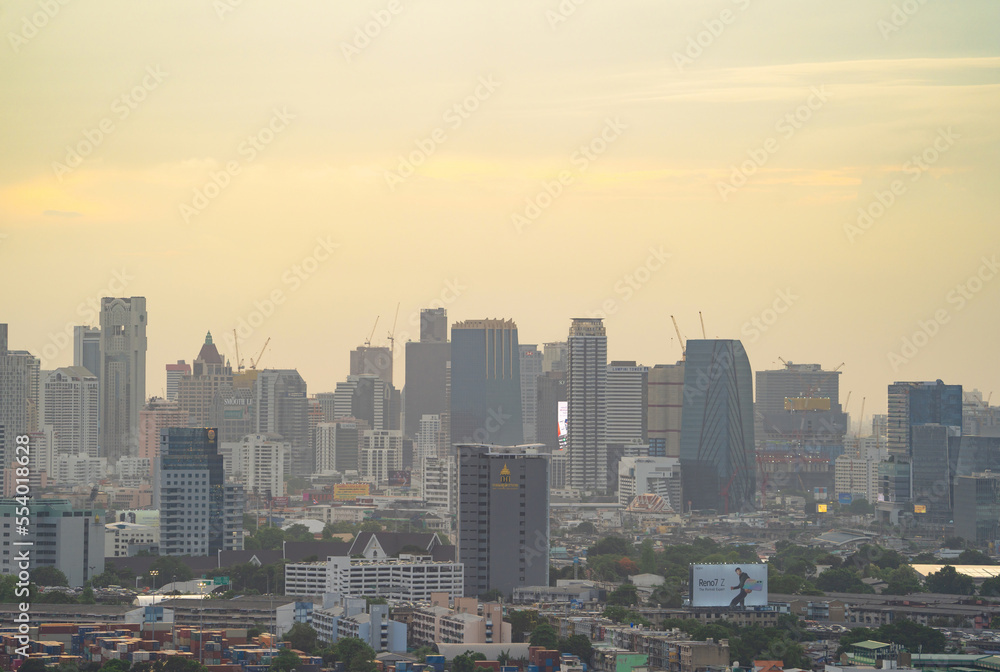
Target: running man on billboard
(744,589)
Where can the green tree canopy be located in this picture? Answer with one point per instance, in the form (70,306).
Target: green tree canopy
(577,645)
(624,595)
(544,635)
(948,580)
(49,575)
(169,567)
(286,661)
(302,636)
(611,545)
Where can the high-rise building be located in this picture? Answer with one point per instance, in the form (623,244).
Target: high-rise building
(978,417)
(338,445)
(234,408)
(381,455)
(977,508)
(531,369)
(664,403)
(259,465)
(174,374)
(627,403)
(196,392)
(70,400)
(71,540)
(87,349)
(123,374)
(798,411)
(426,380)
(430,440)
(369,360)
(15,398)
(156,416)
(554,357)
(440,483)
(586,396)
(551,398)
(200,513)
(327,402)
(283,409)
(433,325)
(503,518)
(931,471)
(718,465)
(639,476)
(912,404)
(366,397)
(857,476)
(485,383)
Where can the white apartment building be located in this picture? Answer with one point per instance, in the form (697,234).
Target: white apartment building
(259,463)
(381,455)
(857,476)
(650,475)
(70,397)
(410,578)
(123,540)
(440,483)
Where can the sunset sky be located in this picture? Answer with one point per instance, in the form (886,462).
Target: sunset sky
(632,158)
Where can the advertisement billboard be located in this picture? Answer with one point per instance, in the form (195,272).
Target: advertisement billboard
(736,585)
(562,415)
(348,492)
(845,498)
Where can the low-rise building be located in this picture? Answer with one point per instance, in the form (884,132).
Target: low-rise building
(410,578)
(123,540)
(467,623)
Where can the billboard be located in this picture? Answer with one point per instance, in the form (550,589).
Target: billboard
(562,415)
(845,498)
(348,492)
(723,586)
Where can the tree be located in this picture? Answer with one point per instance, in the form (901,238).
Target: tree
(647,557)
(169,567)
(115,665)
(612,545)
(266,539)
(491,595)
(356,655)
(544,635)
(49,575)
(990,587)
(954,543)
(903,581)
(971,556)
(577,645)
(298,532)
(627,567)
(522,622)
(623,615)
(466,662)
(859,506)
(624,595)
(87,596)
(113,576)
(286,661)
(950,582)
(585,528)
(32,665)
(302,636)
(842,580)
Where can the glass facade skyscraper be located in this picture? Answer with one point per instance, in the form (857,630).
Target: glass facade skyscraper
(486,383)
(718,462)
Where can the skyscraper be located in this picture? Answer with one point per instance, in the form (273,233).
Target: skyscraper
(14,398)
(586,396)
(551,394)
(338,445)
(70,405)
(174,374)
(200,513)
(87,349)
(531,369)
(196,391)
(665,401)
(366,397)
(486,383)
(798,410)
(718,466)
(425,391)
(433,325)
(156,416)
(123,375)
(554,357)
(282,408)
(912,404)
(503,518)
(627,403)
(367,360)
(381,455)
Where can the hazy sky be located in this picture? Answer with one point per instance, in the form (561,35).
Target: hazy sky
(635,158)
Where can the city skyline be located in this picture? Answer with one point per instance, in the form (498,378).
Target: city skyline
(638,160)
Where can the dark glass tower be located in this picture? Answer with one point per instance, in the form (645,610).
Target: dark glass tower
(200,514)
(486,383)
(718,465)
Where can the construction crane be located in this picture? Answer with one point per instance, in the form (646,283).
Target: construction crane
(368,341)
(787,365)
(392,334)
(239,362)
(255,362)
(702,325)
(680,339)
(847,403)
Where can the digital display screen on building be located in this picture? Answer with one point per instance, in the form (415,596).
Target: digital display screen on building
(742,585)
